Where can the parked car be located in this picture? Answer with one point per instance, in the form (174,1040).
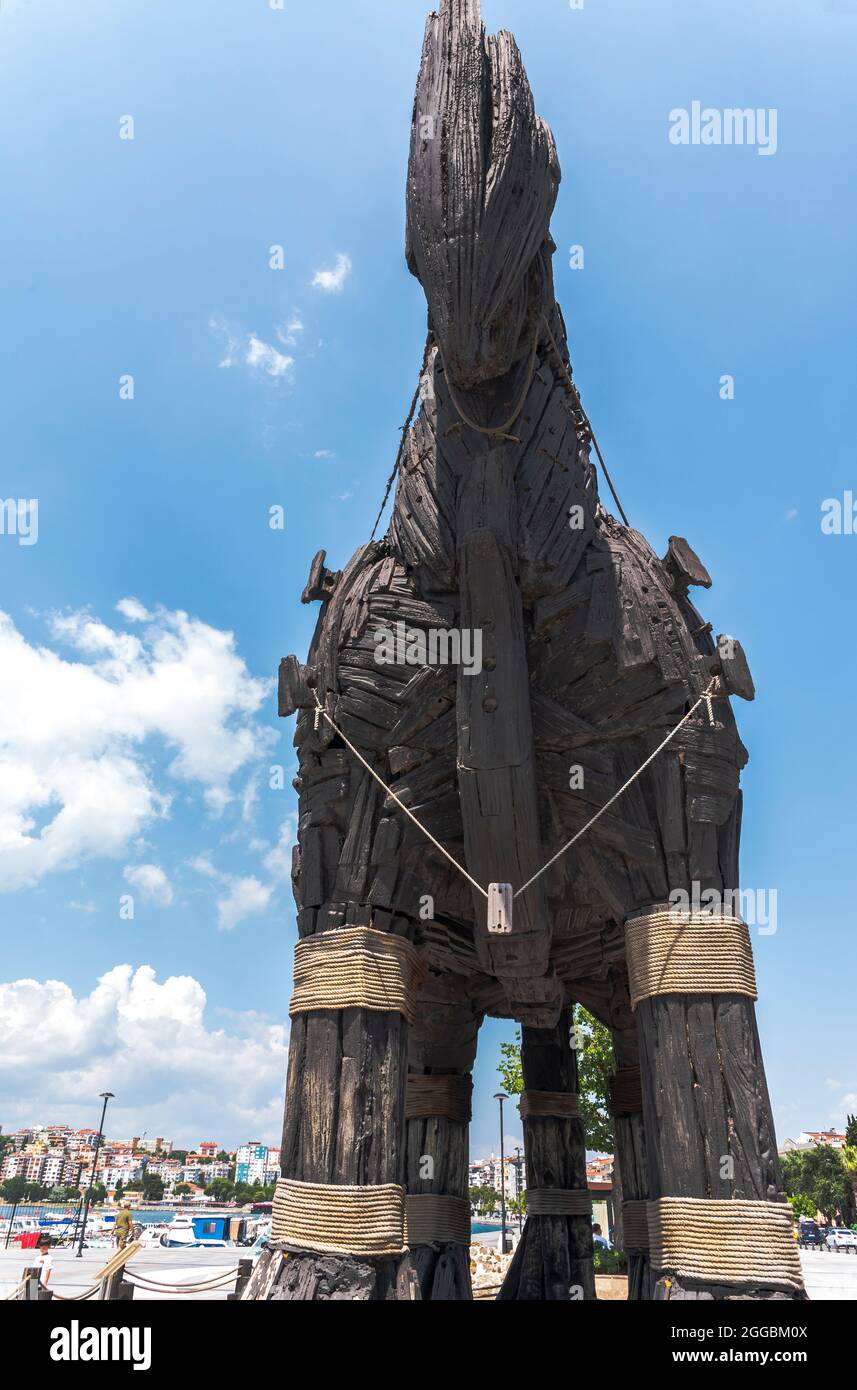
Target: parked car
(809,1235)
(841,1238)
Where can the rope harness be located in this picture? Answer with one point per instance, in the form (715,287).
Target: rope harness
(356,968)
(710,693)
(676,952)
(444,1097)
(626,1092)
(557,1105)
(635,1225)
(696,1238)
(559,1201)
(436,1220)
(335,1220)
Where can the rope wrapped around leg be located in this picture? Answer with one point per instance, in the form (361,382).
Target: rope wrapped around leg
(626,1091)
(558,1201)
(436,1220)
(333,1220)
(724,1241)
(635,1225)
(559,1105)
(448,1097)
(671,951)
(356,968)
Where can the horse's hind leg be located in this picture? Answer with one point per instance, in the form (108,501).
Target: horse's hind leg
(553,1261)
(630,1169)
(709,1131)
(437,1107)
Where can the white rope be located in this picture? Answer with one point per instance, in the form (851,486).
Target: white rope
(16,1293)
(381,783)
(705,698)
(203,1286)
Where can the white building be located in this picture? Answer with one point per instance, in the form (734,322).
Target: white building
(257,1164)
(488,1172)
(126,1173)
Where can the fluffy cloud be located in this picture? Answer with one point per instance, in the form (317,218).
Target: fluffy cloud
(249,350)
(262,355)
(150,882)
(243,897)
(147,1042)
(278,861)
(332,281)
(77,735)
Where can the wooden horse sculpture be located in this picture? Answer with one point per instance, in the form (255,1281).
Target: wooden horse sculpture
(498,666)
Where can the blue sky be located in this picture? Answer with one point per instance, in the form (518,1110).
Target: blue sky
(256,387)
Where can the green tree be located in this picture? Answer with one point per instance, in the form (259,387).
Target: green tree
(153,1187)
(181,1189)
(818,1174)
(517,1205)
(14,1189)
(98,1194)
(801,1205)
(595,1066)
(484,1199)
(221,1189)
(118,1190)
(851,1131)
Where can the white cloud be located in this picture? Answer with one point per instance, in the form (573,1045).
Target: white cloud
(241,896)
(150,882)
(249,350)
(244,896)
(287,333)
(323,454)
(332,281)
(847,1106)
(791,513)
(148,1043)
(133,610)
(77,735)
(262,355)
(278,861)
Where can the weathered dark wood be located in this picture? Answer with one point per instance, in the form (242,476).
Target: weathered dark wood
(592,652)
(553,1261)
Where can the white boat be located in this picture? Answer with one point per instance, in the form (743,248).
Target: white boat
(180,1234)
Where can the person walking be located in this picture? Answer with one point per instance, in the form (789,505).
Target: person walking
(124,1226)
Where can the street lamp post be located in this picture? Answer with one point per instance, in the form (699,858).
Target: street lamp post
(518,1183)
(105,1096)
(501,1096)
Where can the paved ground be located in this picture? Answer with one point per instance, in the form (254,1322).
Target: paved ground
(73,1276)
(828,1274)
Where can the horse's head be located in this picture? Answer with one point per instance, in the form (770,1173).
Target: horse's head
(482,182)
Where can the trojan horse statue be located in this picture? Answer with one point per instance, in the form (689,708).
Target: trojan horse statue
(434,791)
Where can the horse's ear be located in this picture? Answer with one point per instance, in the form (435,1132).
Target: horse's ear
(482,182)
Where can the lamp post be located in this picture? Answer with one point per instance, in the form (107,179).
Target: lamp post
(105,1096)
(518,1183)
(501,1096)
